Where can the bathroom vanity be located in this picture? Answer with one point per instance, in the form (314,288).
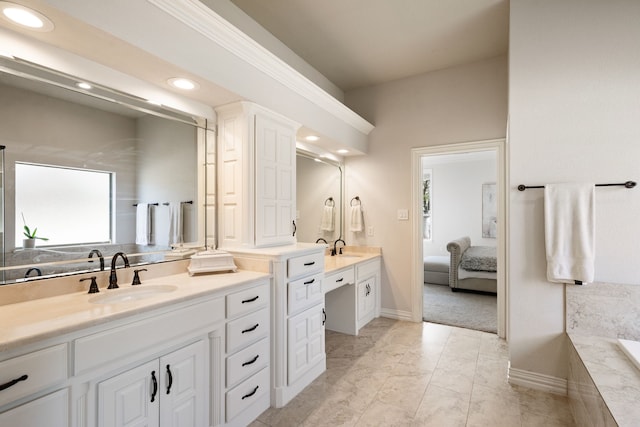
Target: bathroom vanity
(191,351)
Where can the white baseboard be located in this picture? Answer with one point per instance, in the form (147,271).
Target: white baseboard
(538,381)
(397,314)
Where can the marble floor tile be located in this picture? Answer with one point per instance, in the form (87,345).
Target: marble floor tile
(397,373)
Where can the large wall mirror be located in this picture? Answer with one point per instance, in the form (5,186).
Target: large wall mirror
(92,172)
(319,201)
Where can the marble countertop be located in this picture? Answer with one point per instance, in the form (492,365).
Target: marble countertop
(31,321)
(615,376)
(351,255)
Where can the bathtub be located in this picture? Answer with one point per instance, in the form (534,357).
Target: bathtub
(632,350)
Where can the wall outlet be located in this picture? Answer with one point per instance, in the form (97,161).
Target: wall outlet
(370,231)
(403,214)
(297,214)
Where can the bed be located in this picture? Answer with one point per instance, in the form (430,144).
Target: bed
(472,268)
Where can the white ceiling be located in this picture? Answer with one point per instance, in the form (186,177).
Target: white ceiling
(358,43)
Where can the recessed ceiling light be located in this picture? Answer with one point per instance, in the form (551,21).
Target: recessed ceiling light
(182,83)
(25,17)
(311,138)
(84,85)
(343,151)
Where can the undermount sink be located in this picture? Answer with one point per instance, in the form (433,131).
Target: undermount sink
(114,296)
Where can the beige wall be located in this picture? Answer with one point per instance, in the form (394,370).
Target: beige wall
(466,103)
(574,109)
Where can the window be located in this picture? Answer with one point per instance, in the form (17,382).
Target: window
(67,206)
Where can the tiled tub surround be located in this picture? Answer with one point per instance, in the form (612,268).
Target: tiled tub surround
(604,385)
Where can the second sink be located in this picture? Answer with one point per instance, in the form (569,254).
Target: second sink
(131,294)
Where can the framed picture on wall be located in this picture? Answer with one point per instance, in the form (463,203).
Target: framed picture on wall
(489,211)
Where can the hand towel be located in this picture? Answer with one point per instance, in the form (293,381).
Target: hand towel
(569,218)
(175,223)
(357,220)
(328,219)
(143,224)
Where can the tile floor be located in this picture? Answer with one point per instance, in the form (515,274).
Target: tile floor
(417,374)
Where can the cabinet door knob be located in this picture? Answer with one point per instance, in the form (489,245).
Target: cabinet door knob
(13,382)
(250,394)
(170,375)
(253,328)
(155,386)
(252,361)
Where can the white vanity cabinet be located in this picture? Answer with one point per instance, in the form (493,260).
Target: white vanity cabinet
(256,177)
(247,378)
(31,374)
(352,296)
(165,392)
(297,317)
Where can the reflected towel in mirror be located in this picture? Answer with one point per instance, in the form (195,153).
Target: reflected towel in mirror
(143,224)
(328,219)
(175,223)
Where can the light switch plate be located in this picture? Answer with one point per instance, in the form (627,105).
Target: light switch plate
(403,214)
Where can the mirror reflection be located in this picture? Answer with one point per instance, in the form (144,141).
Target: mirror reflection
(83,175)
(318,198)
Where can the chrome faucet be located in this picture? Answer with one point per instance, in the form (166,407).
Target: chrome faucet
(334,251)
(99,255)
(113,277)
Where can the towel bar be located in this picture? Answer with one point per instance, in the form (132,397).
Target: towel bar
(628,184)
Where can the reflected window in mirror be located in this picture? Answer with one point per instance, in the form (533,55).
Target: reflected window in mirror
(63,205)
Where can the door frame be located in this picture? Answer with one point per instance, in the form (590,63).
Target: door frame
(417,271)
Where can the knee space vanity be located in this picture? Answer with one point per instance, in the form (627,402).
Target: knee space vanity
(198,356)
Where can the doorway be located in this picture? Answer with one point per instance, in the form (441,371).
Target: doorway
(429,239)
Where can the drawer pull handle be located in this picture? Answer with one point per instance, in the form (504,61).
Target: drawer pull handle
(252,361)
(324,317)
(13,382)
(250,299)
(253,328)
(340,280)
(170,375)
(310,282)
(307,264)
(155,386)
(250,394)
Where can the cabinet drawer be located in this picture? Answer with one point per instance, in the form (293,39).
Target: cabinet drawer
(305,292)
(339,278)
(248,392)
(104,347)
(51,410)
(305,265)
(247,362)
(41,368)
(247,329)
(247,301)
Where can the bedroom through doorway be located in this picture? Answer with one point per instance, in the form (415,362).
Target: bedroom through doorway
(460,228)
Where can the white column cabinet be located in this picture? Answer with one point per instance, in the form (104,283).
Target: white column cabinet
(256,177)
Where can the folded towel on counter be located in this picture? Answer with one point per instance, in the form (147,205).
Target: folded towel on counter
(569,218)
(328,219)
(175,223)
(357,221)
(143,224)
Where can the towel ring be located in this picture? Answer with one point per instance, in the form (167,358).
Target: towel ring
(330,202)
(357,199)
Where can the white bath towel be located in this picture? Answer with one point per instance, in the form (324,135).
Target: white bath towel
(357,221)
(143,224)
(569,218)
(175,223)
(328,219)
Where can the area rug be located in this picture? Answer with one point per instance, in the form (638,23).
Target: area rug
(461,309)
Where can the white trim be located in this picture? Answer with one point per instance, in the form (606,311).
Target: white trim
(536,381)
(211,25)
(417,272)
(398,315)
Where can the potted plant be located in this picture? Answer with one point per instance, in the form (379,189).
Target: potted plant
(30,241)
